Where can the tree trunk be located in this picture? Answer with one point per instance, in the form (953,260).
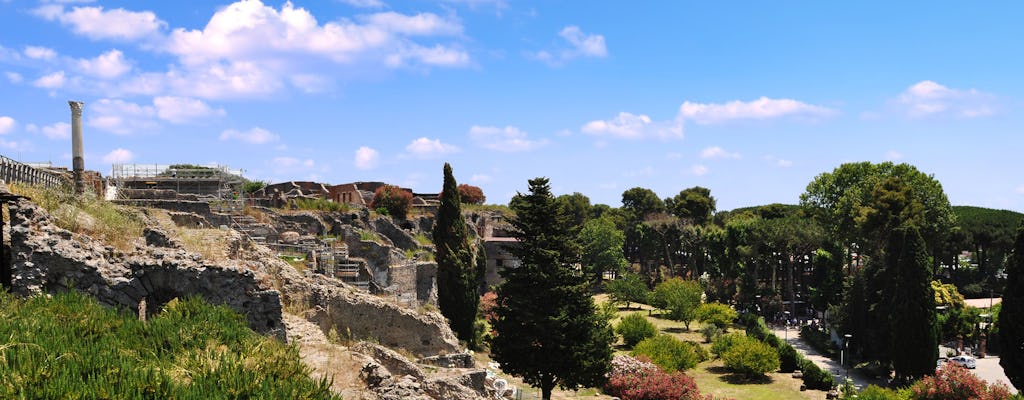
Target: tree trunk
(789,286)
(546,388)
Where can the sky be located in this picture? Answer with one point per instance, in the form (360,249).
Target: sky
(749,99)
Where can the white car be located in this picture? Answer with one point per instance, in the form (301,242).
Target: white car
(964,361)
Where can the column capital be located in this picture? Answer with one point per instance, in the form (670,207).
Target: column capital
(76,107)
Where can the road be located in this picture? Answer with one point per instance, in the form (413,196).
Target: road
(988,368)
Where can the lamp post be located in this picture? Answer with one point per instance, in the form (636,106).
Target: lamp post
(846,348)
(785,324)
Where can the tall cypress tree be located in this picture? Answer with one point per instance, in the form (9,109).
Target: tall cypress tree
(1011,317)
(456,274)
(915,340)
(548,330)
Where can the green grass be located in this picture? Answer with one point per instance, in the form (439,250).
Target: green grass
(69,347)
(369,236)
(423,239)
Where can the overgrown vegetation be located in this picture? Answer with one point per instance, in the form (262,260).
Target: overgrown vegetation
(115,225)
(68,346)
(669,353)
(318,204)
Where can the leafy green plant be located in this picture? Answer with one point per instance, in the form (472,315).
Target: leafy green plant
(725,342)
(717,314)
(669,353)
(116,225)
(635,327)
(751,358)
(815,377)
(70,346)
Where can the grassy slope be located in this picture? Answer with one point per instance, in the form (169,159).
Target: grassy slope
(68,346)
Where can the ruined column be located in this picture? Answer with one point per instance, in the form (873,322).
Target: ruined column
(77,157)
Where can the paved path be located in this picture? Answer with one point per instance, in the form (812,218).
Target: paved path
(861,381)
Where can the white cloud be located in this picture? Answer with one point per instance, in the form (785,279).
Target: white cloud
(366,158)
(645,171)
(699,170)
(716,152)
(582,45)
(364,3)
(107,65)
(6,125)
(292,162)
(14,145)
(181,110)
(13,77)
(40,53)
(762,108)
(893,156)
(480,178)
(419,24)
(118,155)
(58,130)
(427,148)
(928,98)
(507,139)
(632,126)
(51,81)
(784,163)
(97,23)
(252,136)
(122,117)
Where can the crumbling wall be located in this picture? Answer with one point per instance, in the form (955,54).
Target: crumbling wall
(46,258)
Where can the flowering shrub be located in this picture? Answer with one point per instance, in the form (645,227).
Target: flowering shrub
(627,365)
(952,382)
(488,301)
(654,385)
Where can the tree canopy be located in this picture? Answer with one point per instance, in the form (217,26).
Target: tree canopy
(548,330)
(457,275)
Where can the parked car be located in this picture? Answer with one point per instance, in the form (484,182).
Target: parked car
(940,362)
(964,361)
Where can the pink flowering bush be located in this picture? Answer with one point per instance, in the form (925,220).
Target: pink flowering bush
(952,382)
(639,379)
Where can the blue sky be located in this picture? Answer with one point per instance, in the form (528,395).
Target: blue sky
(749,99)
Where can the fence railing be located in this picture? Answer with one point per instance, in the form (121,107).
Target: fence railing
(13,171)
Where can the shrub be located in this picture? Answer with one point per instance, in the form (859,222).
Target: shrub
(393,199)
(318,204)
(751,358)
(653,385)
(757,329)
(710,332)
(873,392)
(717,314)
(680,298)
(253,186)
(628,365)
(789,359)
(952,382)
(668,352)
(725,342)
(819,341)
(488,301)
(470,194)
(816,378)
(634,328)
(628,288)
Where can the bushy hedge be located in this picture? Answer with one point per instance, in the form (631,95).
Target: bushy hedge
(789,358)
(635,328)
(751,357)
(815,377)
(669,353)
(637,379)
(725,342)
(69,346)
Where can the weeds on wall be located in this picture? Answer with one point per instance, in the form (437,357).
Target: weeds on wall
(319,205)
(116,225)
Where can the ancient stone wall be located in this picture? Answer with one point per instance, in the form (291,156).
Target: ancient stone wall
(46,258)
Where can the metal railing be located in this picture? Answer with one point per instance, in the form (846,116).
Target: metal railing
(13,171)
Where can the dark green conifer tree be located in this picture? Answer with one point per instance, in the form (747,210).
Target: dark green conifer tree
(548,330)
(456,273)
(1011,317)
(914,333)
